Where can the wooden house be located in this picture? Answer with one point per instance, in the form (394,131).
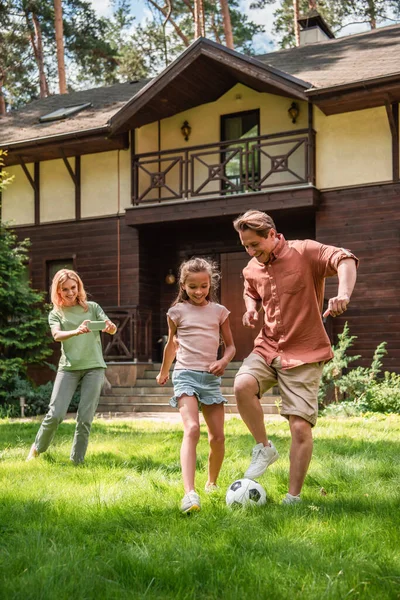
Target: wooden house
(124,182)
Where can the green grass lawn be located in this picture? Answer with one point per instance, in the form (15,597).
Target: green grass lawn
(111,529)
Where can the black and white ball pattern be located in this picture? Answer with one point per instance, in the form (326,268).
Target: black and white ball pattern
(246,492)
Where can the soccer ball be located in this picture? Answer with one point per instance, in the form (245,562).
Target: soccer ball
(245,492)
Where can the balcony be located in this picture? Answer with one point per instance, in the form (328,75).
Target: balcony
(224,169)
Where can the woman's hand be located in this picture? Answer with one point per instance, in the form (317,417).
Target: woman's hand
(83,328)
(110,327)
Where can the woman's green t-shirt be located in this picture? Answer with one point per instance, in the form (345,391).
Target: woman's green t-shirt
(81,351)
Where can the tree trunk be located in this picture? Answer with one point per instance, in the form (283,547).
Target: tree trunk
(371,12)
(37,45)
(226,19)
(296,21)
(2,100)
(312,4)
(178,30)
(58,22)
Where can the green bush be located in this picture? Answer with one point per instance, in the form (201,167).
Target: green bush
(360,390)
(37,399)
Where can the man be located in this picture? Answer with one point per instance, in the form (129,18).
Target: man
(287,279)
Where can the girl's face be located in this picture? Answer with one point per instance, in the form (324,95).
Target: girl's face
(68,292)
(197,287)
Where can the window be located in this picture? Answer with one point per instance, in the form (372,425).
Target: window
(64,112)
(242,165)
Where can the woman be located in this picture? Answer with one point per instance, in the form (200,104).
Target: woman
(81,362)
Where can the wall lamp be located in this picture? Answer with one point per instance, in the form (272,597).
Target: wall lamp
(294,111)
(186,130)
(170,278)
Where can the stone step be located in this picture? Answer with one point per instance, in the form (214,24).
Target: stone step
(143,407)
(145,398)
(152,373)
(167,390)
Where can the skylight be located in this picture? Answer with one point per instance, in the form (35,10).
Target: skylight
(63,113)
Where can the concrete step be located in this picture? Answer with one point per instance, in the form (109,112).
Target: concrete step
(167,391)
(144,407)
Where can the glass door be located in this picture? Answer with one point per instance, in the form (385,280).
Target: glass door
(241,163)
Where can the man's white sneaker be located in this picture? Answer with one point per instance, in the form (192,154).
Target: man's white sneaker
(262,457)
(289,499)
(190,502)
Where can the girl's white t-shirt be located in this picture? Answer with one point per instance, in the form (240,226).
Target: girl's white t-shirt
(198,333)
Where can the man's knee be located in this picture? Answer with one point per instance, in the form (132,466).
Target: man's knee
(300,429)
(245,386)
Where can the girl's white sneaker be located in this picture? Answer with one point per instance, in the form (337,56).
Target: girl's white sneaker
(190,502)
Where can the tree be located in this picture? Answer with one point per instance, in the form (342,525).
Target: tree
(226,20)
(58,22)
(23,322)
(216,24)
(337,13)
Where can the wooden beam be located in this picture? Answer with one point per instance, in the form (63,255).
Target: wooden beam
(27,174)
(69,168)
(78,188)
(392,111)
(37,193)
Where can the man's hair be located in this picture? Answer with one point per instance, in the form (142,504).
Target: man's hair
(256,221)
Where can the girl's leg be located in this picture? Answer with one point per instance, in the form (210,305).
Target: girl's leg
(214,416)
(188,408)
(64,387)
(92,382)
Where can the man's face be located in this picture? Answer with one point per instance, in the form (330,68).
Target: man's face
(258,246)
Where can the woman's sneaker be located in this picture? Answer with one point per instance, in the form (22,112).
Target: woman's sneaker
(190,502)
(33,453)
(262,457)
(289,499)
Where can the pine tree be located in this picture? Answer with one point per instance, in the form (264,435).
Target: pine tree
(24,338)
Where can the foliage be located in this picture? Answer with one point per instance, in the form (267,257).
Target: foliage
(5,178)
(24,338)
(337,13)
(37,398)
(361,389)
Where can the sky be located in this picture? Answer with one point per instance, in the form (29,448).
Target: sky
(262,43)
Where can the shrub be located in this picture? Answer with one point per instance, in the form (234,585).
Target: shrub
(37,399)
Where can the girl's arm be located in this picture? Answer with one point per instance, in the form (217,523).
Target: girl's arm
(169,354)
(218,367)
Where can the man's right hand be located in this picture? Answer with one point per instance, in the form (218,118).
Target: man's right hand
(250,318)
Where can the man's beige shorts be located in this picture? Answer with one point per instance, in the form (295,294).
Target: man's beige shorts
(298,386)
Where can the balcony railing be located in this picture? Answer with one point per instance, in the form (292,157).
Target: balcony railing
(132,341)
(224,168)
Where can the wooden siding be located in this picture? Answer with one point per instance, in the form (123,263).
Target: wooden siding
(367,221)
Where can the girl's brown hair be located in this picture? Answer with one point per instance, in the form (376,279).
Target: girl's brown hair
(198,265)
(61,277)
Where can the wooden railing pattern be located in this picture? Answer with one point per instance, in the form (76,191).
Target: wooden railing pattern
(224,168)
(132,341)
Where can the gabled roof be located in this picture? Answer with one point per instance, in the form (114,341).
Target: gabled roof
(201,74)
(337,75)
(345,60)
(23,125)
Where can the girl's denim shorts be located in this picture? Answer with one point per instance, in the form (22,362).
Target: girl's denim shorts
(205,386)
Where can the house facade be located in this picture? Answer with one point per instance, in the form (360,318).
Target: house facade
(123,183)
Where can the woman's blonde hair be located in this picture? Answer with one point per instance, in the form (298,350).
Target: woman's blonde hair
(256,221)
(61,277)
(198,265)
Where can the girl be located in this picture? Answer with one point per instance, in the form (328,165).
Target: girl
(197,321)
(81,361)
